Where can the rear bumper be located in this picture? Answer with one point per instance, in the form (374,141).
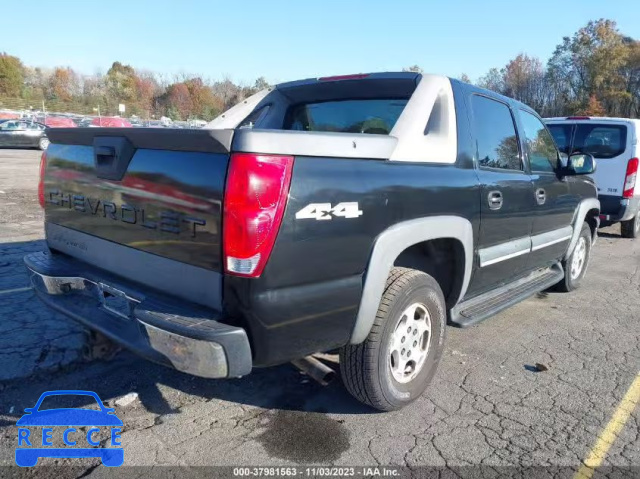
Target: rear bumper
(614,208)
(168,331)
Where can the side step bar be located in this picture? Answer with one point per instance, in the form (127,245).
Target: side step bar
(488,304)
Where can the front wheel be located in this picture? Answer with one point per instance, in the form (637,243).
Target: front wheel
(575,266)
(631,228)
(397,361)
(43,144)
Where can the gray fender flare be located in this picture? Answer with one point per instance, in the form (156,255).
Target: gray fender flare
(388,246)
(580,214)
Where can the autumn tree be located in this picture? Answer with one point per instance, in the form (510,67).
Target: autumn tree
(94,93)
(206,105)
(121,84)
(228,92)
(147,91)
(590,63)
(492,81)
(523,79)
(178,101)
(11,76)
(630,73)
(64,84)
(413,68)
(36,81)
(592,108)
(260,84)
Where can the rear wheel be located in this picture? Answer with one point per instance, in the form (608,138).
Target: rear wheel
(397,361)
(43,144)
(575,266)
(631,228)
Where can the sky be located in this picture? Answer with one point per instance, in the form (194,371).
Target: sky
(287,40)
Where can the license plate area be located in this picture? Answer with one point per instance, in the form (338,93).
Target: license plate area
(115,301)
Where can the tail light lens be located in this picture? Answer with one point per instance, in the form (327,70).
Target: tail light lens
(43,167)
(254,201)
(630,178)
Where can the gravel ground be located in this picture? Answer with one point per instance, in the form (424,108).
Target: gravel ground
(486,407)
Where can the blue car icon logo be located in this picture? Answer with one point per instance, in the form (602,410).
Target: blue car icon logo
(27,456)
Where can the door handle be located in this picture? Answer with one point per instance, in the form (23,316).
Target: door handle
(541,196)
(495,200)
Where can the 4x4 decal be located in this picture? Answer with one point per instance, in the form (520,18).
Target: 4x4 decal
(324,211)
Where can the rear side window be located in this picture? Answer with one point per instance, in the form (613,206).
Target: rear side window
(562,136)
(373,116)
(602,141)
(254,117)
(496,140)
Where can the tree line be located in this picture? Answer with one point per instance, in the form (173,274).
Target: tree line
(144,94)
(595,72)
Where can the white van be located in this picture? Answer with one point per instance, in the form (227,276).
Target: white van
(614,144)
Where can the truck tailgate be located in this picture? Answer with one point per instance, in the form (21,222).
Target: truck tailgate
(151,190)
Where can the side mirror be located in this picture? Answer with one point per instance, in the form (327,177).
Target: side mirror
(580,164)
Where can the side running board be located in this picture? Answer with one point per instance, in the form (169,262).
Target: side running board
(488,304)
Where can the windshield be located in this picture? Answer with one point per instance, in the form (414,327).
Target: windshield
(373,116)
(601,140)
(74,401)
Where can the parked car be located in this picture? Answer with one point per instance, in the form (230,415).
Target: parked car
(4,115)
(23,134)
(84,122)
(361,212)
(154,124)
(59,122)
(614,144)
(110,122)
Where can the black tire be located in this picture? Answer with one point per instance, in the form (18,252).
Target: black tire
(631,228)
(571,281)
(366,367)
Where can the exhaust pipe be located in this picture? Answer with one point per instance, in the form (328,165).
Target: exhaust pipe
(315,369)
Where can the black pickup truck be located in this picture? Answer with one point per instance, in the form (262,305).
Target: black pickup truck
(361,213)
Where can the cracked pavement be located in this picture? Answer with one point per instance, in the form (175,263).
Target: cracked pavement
(32,338)
(486,406)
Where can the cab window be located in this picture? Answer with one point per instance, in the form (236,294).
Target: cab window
(541,150)
(496,141)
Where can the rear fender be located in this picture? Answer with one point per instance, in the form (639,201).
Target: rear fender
(390,244)
(581,213)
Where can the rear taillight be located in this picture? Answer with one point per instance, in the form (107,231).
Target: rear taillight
(254,201)
(43,167)
(630,178)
